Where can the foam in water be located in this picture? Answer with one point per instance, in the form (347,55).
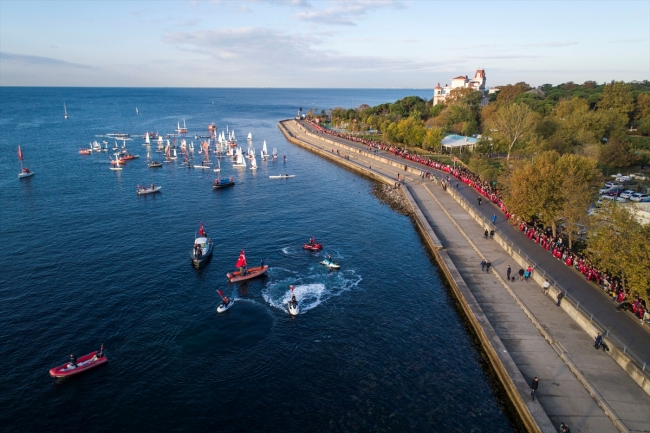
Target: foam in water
(311,290)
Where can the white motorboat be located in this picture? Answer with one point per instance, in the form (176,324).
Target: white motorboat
(283,176)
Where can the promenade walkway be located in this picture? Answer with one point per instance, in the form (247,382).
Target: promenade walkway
(578,384)
(621,325)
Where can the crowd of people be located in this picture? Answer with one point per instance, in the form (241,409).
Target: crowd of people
(539,234)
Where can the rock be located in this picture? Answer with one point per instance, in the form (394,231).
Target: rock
(392,197)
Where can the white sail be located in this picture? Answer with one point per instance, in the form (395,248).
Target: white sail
(241,162)
(264,151)
(250,136)
(146,139)
(160,140)
(253,163)
(65,112)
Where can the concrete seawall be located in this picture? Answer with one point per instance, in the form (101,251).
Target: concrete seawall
(531,414)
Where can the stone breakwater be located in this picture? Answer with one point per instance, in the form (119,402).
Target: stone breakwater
(392,197)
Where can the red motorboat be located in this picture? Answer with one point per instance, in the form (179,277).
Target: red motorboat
(84,363)
(246,273)
(312,245)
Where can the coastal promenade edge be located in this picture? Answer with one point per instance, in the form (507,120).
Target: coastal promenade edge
(531,414)
(635,367)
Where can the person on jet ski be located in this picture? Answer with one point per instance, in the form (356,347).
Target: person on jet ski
(294,302)
(329,258)
(226,301)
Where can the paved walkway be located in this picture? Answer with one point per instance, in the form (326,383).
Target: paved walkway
(626,328)
(578,384)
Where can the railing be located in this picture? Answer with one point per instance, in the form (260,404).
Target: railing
(607,332)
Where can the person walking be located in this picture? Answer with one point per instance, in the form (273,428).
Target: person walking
(491,234)
(533,387)
(479,201)
(494,219)
(508,272)
(560,295)
(486,234)
(526,275)
(487,266)
(545,287)
(482,265)
(521,274)
(564,428)
(599,341)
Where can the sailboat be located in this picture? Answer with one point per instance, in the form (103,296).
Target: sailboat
(250,137)
(205,164)
(274,155)
(168,156)
(253,163)
(65,112)
(265,152)
(24,171)
(217,169)
(115,165)
(240,162)
(182,130)
(136,110)
(147,142)
(105,147)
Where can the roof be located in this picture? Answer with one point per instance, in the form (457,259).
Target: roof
(460,77)
(438,86)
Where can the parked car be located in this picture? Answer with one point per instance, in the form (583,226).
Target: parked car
(614,189)
(611,184)
(627,193)
(639,176)
(640,197)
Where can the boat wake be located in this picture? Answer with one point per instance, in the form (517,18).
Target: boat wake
(311,290)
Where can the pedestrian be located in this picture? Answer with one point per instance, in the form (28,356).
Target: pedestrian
(487,266)
(486,234)
(491,234)
(545,287)
(494,219)
(479,201)
(533,387)
(508,272)
(526,275)
(564,428)
(560,295)
(483,265)
(521,274)
(599,341)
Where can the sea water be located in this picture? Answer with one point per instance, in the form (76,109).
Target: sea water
(378,345)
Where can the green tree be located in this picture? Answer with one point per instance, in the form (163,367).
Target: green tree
(617,154)
(618,244)
(433,138)
(512,124)
(618,97)
(509,92)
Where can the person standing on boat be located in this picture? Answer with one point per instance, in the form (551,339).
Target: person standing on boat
(73,360)
(262,263)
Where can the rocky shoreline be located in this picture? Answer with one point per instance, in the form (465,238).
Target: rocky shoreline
(392,197)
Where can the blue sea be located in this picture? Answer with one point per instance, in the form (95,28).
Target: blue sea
(378,346)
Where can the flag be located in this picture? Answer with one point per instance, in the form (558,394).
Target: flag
(201,232)
(20,154)
(241,261)
(220,292)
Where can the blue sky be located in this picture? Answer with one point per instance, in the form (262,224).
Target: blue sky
(304,43)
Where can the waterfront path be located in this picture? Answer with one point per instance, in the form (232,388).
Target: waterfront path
(578,384)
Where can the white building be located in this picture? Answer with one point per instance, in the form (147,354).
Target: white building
(478,83)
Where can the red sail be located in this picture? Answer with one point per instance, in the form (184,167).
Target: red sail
(20,154)
(241,261)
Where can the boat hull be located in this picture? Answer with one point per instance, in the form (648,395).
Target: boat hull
(222,185)
(199,262)
(149,190)
(24,175)
(294,310)
(255,272)
(330,265)
(221,308)
(84,363)
(314,247)
(282,176)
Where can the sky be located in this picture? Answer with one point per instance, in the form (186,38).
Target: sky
(307,44)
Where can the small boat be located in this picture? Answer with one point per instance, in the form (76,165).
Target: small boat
(116,165)
(65,112)
(154,164)
(24,171)
(223,306)
(253,163)
(136,110)
(312,245)
(330,264)
(245,273)
(283,176)
(151,190)
(250,137)
(84,363)
(182,130)
(202,250)
(240,162)
(217,169)
(223,183)
(85,151)
(265,153)
(274,155)
(294,309)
